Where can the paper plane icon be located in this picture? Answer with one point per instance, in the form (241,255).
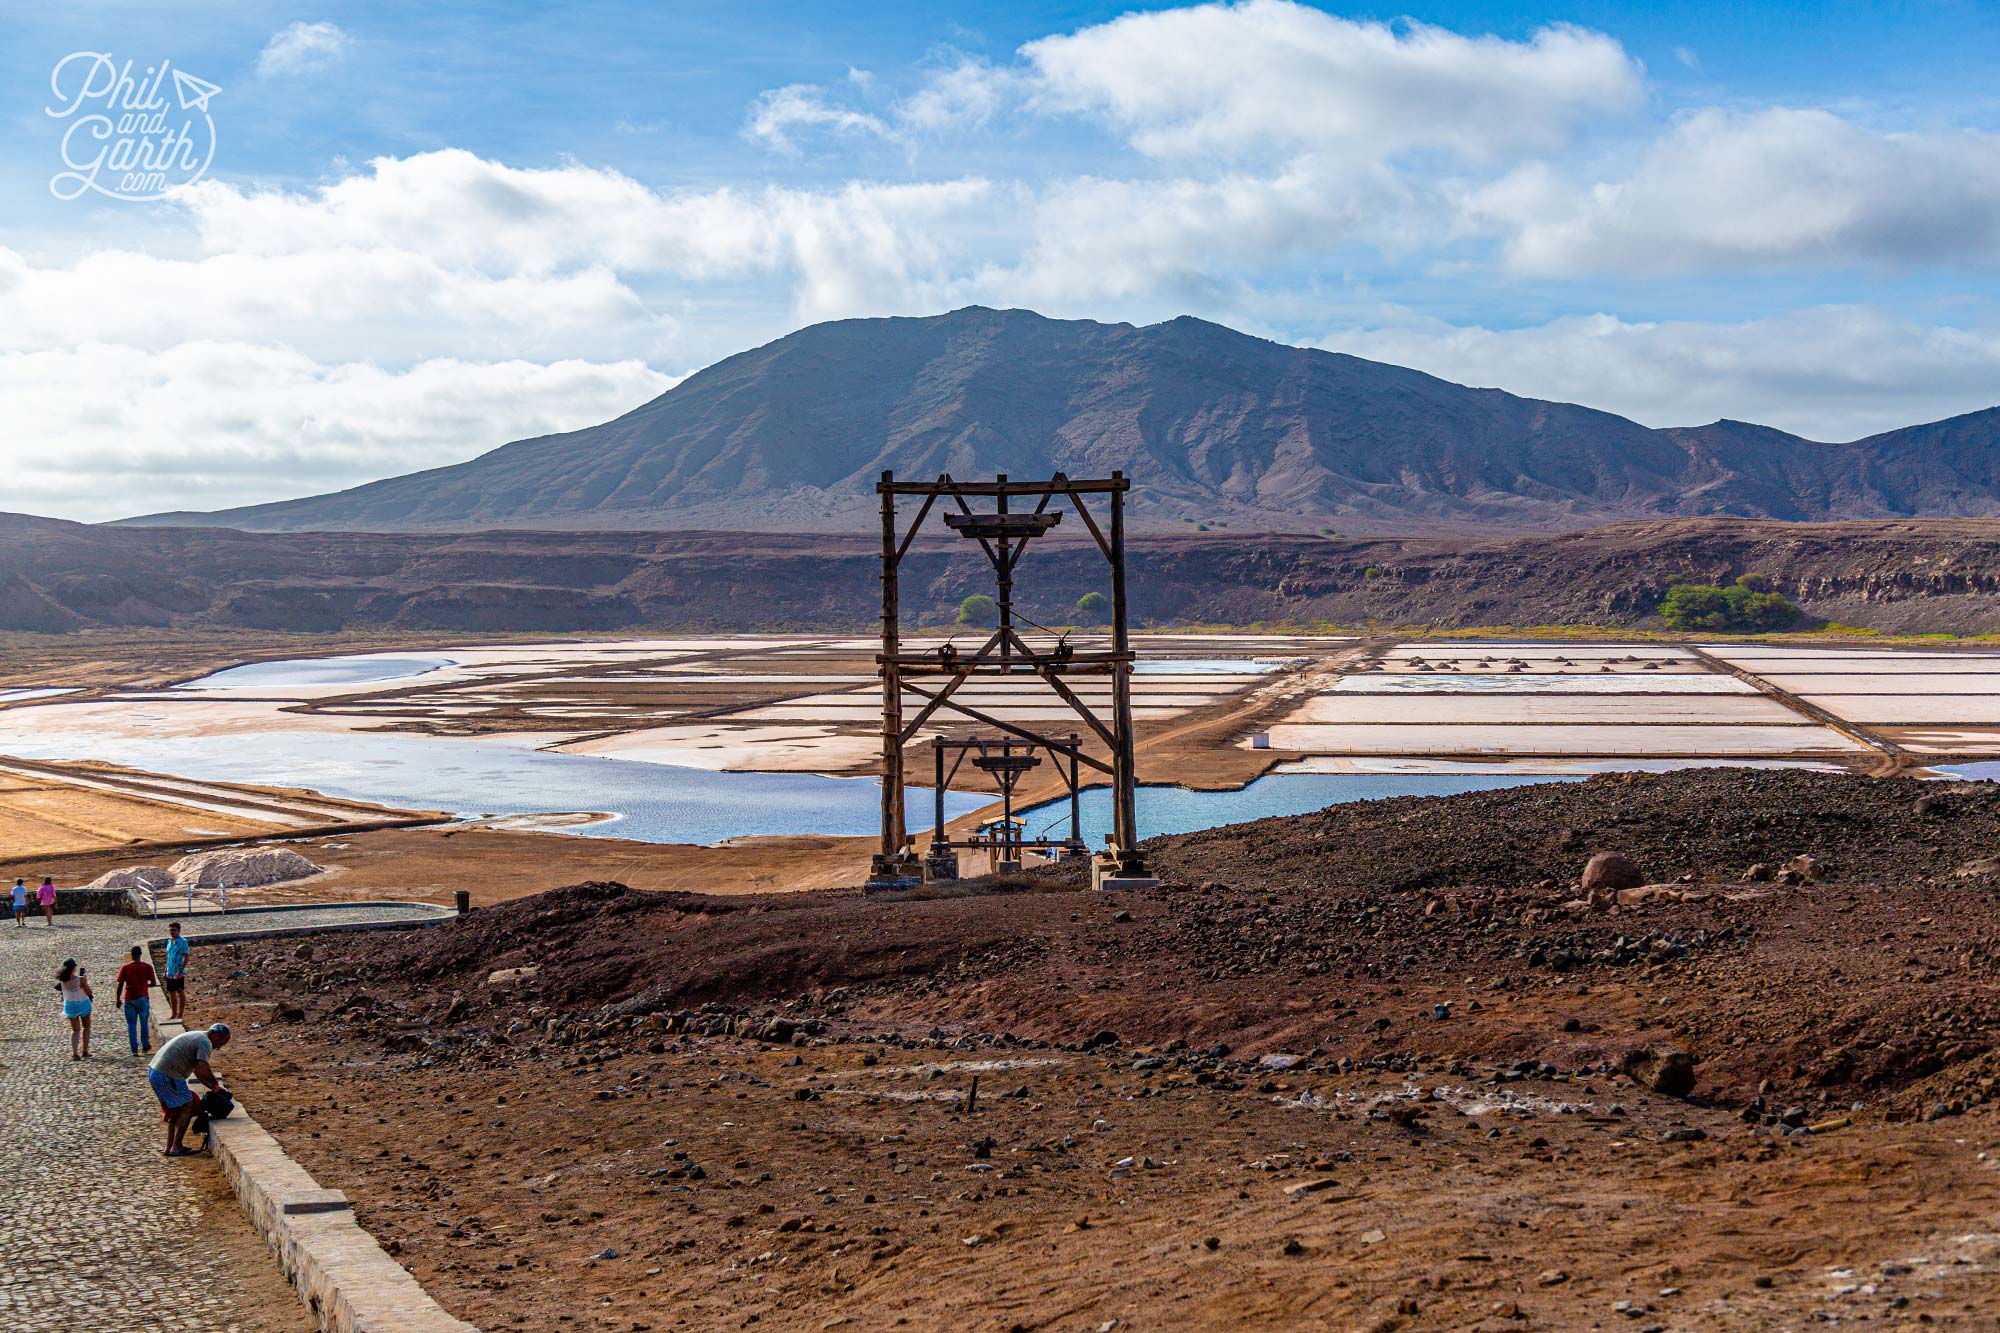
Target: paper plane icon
(194,93)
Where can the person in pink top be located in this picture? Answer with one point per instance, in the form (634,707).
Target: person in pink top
(46,896)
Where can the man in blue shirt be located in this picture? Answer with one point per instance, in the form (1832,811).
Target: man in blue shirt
(175,982)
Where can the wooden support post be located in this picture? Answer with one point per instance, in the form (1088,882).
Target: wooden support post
(1124,816)
(1075,796)
(891,867)
(937,795)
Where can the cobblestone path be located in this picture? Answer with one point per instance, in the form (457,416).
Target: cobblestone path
(98,1232)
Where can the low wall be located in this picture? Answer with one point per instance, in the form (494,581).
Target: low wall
(101,902)
(348,1281)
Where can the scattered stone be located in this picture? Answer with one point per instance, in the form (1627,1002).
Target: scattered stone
(1608,872)
(1665,1069)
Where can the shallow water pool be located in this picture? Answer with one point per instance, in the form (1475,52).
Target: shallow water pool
(473,778)
(1164,810)
(1202,666)
(318,671)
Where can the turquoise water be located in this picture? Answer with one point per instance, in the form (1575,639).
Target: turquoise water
(473,778)
(320,671)
(1165,810)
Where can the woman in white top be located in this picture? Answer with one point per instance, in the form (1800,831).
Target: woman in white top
(74,983)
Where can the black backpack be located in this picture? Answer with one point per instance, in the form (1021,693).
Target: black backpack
(216,1104)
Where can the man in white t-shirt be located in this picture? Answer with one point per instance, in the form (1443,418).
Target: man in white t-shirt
(185,1057)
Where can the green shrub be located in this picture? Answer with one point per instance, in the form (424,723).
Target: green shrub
(978,609)
(1744,607)
(1093,608)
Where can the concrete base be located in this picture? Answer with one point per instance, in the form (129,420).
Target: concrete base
(893,874)
(1121,870)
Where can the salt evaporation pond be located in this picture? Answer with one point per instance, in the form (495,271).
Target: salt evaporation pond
(1164,810)
(1201,666)
(318,671)
(474,778)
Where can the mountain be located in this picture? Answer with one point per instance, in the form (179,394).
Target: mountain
(1212,426)
(1919,575)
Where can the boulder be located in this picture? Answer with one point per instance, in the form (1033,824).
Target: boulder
(1667,1070)
(510,978)
(243,867)
(1609,872)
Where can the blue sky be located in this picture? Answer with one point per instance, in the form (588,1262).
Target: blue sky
(431,228)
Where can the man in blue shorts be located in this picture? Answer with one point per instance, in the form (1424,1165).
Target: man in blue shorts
(185,1057)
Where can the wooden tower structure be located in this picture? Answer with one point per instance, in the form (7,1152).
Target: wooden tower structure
(1004,517)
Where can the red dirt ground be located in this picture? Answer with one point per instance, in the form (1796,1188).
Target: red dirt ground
(1362,1091)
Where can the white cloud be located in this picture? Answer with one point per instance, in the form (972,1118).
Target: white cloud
(856,248)
(98,431)
(968,94)
(336,303)
(1265,79)
(1126,238)
(1270,76)
(1766,189)
(1834,373)
(301,48)
(778,113)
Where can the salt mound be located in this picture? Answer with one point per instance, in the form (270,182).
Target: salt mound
(133,877)
(243,867)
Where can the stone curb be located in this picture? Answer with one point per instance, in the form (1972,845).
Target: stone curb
(292,932)
(206,913)
(349,1282)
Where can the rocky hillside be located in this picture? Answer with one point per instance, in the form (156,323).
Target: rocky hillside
(1936,575)
(1212,425)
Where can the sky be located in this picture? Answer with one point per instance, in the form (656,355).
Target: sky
(394,234)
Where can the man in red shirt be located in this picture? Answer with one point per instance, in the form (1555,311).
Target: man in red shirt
(135,986)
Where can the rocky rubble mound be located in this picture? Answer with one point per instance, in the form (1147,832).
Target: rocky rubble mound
(242,867)
(1697,824)
(133,877)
